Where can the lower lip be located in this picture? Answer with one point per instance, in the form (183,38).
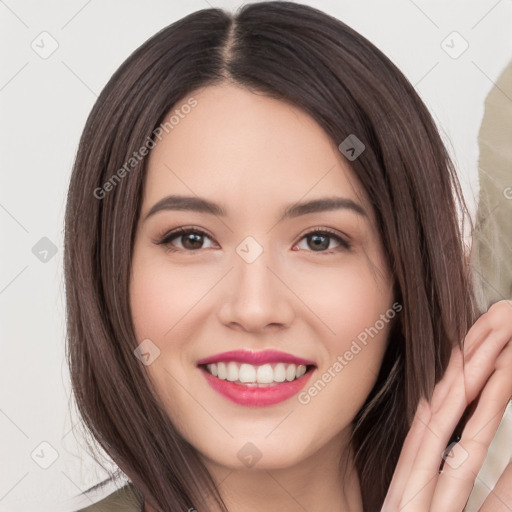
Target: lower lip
(253,396)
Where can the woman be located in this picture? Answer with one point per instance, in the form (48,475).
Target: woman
(268,297)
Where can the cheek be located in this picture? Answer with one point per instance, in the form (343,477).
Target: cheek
(348,298)
(160,296)
(355,305)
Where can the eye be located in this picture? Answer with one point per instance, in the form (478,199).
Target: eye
(192,239)
(320,241)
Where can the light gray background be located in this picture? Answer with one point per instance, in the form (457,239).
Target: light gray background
(44,103)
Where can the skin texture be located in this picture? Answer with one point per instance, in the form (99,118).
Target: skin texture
(255,156)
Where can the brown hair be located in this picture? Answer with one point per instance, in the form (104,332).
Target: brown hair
(299,54)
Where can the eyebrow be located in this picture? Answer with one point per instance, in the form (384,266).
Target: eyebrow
(201,205)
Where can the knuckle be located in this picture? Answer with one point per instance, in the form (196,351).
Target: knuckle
(499,313)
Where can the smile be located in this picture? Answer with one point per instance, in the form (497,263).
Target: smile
(251,375)
(256,379)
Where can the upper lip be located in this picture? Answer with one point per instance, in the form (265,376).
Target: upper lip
(255,358)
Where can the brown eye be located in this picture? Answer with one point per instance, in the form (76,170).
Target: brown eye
(191,240)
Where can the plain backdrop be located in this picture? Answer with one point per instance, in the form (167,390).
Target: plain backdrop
(56,57)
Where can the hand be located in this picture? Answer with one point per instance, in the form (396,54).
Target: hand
(482,373)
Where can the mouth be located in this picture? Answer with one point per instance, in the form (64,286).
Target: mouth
(256,379)
(248,375)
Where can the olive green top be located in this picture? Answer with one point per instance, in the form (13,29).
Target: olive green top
(124,499)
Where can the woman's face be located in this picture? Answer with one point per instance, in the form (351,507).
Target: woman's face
(252,279)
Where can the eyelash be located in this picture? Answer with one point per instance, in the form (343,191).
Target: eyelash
(165,239)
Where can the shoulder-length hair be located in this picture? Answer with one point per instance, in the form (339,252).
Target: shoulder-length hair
(301,55)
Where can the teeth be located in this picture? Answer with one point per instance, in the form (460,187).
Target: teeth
(250,374)
(265,374)
(280,372)
(247,373)
(222,372)
(232,372)
(291,372)
(301,370)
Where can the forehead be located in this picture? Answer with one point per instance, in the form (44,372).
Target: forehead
(248,149)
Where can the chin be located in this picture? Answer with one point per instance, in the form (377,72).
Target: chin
(257,453)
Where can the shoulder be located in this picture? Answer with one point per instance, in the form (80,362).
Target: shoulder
(124,499)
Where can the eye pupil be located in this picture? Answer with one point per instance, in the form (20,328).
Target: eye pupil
(195,239)
(318,243)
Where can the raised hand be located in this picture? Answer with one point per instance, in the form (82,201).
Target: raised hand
(480,375)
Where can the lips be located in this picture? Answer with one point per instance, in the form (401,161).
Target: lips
(253,394)
(256,358)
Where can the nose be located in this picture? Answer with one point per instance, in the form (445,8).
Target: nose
(256,297)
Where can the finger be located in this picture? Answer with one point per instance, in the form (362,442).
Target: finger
(451,377)
(476,334)
(407,456)
(418,480)
(479,366)
(447,405)
(481,361)
(424,475)
(416,433)
(465,461)
(500,498)
(497,318)
(493,399)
